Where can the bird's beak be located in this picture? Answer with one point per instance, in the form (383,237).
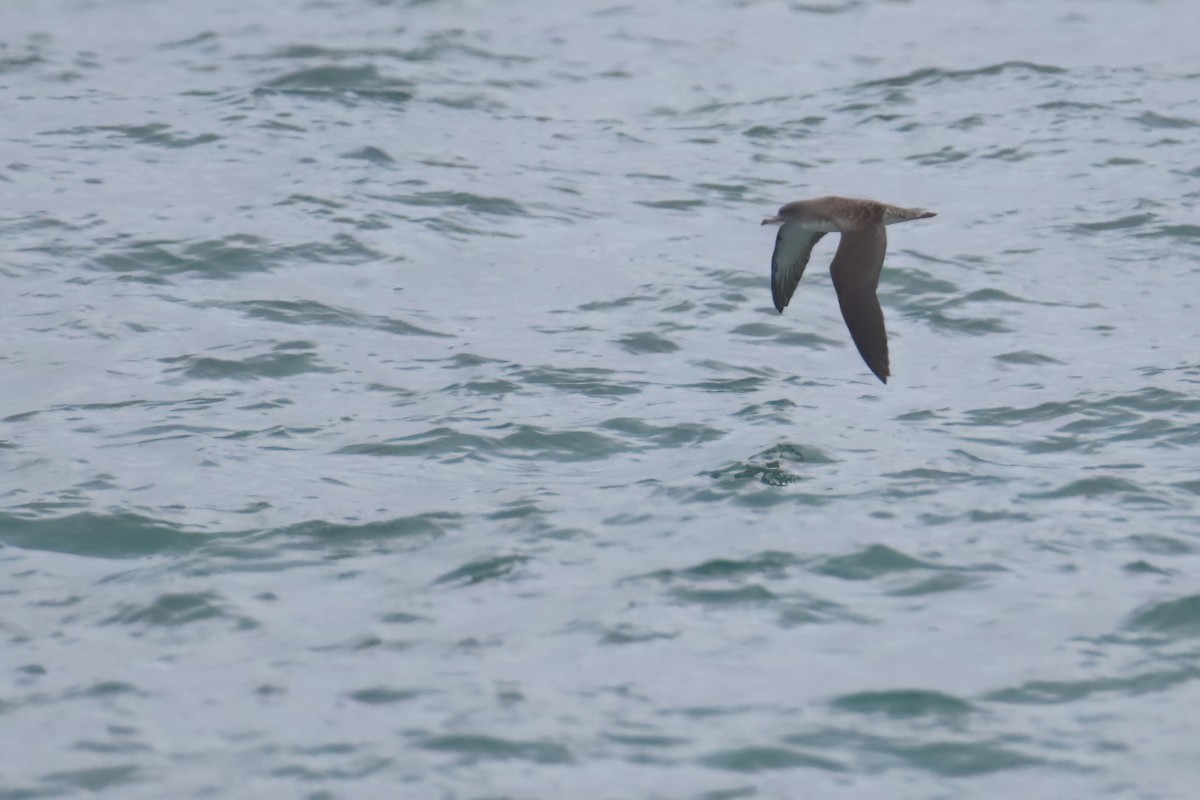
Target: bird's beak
(772,221)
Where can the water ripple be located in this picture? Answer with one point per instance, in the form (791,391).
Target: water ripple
(311,312)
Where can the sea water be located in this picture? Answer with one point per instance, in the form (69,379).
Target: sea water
(392,403)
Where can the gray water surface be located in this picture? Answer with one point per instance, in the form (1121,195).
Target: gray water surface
(392,403)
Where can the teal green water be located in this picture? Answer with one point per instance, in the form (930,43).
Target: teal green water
(392,402)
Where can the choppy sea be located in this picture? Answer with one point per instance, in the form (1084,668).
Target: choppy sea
(392,403)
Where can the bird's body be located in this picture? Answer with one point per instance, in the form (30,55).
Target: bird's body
(856,264)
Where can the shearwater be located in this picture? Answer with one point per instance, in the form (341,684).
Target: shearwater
(856,264)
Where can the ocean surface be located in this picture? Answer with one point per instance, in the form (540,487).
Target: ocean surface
(392,403)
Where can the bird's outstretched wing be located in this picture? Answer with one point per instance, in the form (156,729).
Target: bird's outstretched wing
(793,246)
(855,270)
